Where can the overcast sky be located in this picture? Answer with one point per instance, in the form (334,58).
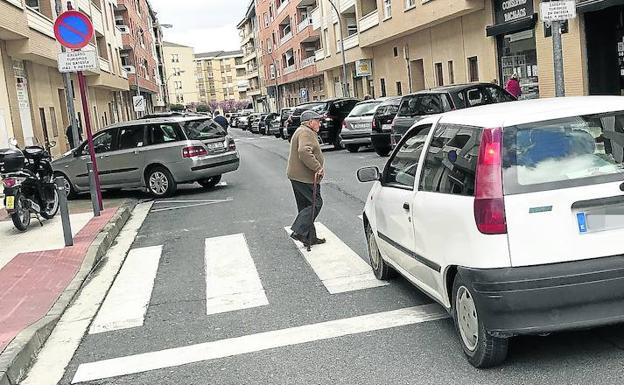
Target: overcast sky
(206,25)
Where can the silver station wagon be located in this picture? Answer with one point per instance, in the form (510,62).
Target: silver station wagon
(153,154)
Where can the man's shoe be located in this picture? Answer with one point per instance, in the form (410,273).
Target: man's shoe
(318,241)
(300,238)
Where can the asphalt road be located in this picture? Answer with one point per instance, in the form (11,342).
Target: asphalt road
(257,202)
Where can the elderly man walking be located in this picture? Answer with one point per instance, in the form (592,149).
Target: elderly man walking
(305,171)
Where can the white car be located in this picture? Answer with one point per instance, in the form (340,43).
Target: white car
(511,216)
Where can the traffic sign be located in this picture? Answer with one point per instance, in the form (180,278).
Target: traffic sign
(74,61)
(558,11)
(73,30)
(139,103)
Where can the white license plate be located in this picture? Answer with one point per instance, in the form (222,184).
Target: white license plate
(216,146)
(386,127)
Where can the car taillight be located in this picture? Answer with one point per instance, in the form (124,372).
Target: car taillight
(489,204)
(344,125)
(232,145)
(9,182)
(194,151)
(374,124)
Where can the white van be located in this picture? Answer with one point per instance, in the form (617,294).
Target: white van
(510,215)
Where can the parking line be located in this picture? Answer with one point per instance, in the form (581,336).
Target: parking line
(127,301)
(232,281)
(192,205)
(340,269)
(256,342)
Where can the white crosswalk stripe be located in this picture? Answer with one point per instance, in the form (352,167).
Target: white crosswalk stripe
(340,269)
(256,342)
(232,281)
(127,301)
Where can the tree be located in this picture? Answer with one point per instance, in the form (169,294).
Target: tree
(176,107)
(213,105)
(242,104)
(228,106)
(203,108)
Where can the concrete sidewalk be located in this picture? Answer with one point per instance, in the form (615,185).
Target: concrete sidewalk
(39,277)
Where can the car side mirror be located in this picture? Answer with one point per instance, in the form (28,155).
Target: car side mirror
(368,174)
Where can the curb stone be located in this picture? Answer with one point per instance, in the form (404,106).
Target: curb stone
(22,351)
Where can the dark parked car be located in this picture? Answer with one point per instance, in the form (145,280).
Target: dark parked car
(265,122)
(416,106)
(294,120)
(382,125)
(283,118)
(234,120)
(334,112)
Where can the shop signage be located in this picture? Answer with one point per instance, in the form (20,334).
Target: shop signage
(557,10)
(507,11)
(363,68)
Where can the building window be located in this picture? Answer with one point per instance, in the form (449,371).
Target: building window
(439,74)
(399,89)
(410,4)
(43,7)
(396,52)
(383,87)
(387,9)
(473,69)
(175,58)
(451,72)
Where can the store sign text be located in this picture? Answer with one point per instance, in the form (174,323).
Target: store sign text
(510,10)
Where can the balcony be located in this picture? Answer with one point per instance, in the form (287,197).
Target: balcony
(307,62)
(369,21)
(104,65)
(350,42)
(249,57)
(282,7)
(304,24)
(316,19)
(320,54)
(345,5)
(286,38)
(40,23)
(289,70)
(98,20)
(251,74)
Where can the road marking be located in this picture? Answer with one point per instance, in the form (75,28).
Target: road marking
(340,269)
(193,205)
(60,347)
(127,301)
(232,281)
(256,342)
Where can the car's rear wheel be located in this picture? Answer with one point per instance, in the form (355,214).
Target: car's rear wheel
(210,182)
(380,268)
(338,143)
(383,151)
(160,182)
(70,191)
(482,349)
(353,148)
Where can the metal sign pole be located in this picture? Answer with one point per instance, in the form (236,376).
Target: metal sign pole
(85,109)
(558,58)
(65,219)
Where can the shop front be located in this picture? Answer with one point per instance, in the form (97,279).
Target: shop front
(604,33)
(514,30)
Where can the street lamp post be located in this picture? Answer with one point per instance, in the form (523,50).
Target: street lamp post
(169,78)
(277,99)
(345,84)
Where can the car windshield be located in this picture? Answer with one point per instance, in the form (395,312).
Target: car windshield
(202,129)
(416,105)
(306,107)
(562,153)
(364,109)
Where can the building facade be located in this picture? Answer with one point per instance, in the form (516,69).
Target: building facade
(288,44)
(179,62)
(138,54)
(33,105)
(221,75)
(397,46)
(248,31)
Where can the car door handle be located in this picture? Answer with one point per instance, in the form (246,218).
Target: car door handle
(406,206)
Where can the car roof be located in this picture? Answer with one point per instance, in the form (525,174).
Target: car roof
(535,110)
(392,100)
(452,88)
(170,119)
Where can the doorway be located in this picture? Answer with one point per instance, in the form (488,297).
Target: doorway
(417,69)
(604,32)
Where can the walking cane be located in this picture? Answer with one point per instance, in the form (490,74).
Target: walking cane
(314,189)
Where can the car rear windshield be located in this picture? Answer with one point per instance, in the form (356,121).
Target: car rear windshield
(313,106)
(563,153)
(427,104)
(364,109)
(202,129)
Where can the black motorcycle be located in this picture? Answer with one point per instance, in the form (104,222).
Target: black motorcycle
(29,186)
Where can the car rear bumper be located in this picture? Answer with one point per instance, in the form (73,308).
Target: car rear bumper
(381,140)
(549,298)
(205,167)
(355,137)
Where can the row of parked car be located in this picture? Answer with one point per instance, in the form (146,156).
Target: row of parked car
(352,124)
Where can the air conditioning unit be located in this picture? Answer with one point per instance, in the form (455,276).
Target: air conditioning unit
(129,69)
(124,28)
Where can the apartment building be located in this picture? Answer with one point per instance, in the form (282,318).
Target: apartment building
(221,75)
(32,93)
(181,80)
(255,90)
(138,54)
(288,44)
(161,99)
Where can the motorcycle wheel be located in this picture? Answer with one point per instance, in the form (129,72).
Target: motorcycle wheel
(21,217)
(52,206)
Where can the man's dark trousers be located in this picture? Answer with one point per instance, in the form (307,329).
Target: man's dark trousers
(304,223)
